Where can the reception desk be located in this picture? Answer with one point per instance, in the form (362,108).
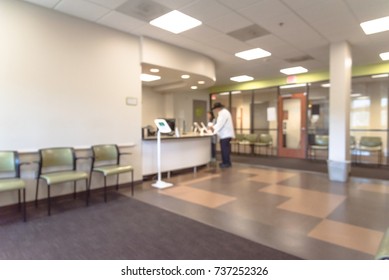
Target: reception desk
(186,151)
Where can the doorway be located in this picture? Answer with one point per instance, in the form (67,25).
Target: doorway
(292,119)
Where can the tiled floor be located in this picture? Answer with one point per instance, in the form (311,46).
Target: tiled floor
(300,213)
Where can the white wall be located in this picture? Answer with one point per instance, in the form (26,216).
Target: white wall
(64,82)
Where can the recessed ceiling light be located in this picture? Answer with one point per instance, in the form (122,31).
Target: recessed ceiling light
(242,78)
(154,70)
(253,54)
(327,85)
(380,76)
(193,87)
(293,86)
(293,70)
(201,82)
(149,78)
(384,56)
(375,25)
(356,94)
(175,22)
(185,76)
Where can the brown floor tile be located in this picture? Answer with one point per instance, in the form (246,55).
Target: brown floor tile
(201,197)
(311,203)
(349,236)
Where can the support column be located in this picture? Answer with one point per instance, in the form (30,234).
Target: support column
(339,112)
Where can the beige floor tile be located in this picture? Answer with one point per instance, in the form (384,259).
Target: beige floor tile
(306,202)
(349,236)
(267,175)
(201,197)
(199,180)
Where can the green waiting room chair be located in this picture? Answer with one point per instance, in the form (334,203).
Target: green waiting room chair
(10,177)
(57,166)
(106,161)
(264,141)
(320,144)
(370,145)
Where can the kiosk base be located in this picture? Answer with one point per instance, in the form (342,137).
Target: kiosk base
(162,185)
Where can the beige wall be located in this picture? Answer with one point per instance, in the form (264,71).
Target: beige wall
(64,82)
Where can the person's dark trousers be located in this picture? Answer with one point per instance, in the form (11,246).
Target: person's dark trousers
(225,147)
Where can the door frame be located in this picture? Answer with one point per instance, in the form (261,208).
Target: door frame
(288,152)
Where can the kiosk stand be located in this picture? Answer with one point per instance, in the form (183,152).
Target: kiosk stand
(163,127)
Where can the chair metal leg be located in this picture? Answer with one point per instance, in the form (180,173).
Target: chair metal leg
(87,192)
(105,188)
(19,203)
(24,206)
(132,183)
(36,192)
(48,201)
(75,189)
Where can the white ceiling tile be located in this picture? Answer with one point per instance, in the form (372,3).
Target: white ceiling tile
(44,3)
(205,10)
(111,4)
(122,22)
(229,22)
(83,9)
(174,4)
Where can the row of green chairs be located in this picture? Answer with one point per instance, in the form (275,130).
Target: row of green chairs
(254,142)
(59,165)
(366,144)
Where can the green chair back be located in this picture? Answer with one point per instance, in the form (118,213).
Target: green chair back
(63,158)
(265,138)
(239,137)
(321,140)
(370,141)
(252,137)
(8,162)
(105,153)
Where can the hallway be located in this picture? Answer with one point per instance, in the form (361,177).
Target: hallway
(300,213)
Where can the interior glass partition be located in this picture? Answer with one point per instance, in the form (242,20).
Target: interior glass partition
(369,115)
(265,116)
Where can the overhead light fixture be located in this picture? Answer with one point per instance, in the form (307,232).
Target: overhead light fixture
(293,86)
(293,70)
(232,92)
(327,85)
(253,54)
(384,56)
(175,22)
(242,78)
(149,78)
(375,25)
(185,76)
(201,82)
(193,87)
(354,95)
(154,70)
(380,76)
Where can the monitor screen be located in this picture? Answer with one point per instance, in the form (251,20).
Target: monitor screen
(171,123)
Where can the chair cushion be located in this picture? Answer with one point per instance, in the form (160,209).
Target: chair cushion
(371,149)
(262,144)
(11,184)
(64,176)
(113,169)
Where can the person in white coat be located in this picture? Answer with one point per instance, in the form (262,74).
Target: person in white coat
(224,128)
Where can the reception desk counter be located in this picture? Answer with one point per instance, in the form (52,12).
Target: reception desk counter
(186,151)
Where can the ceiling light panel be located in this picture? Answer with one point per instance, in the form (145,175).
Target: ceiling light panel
(149,78)
(375,25)
(242,78)
(384,56)
(253,54)
(294,70)
(175,22)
